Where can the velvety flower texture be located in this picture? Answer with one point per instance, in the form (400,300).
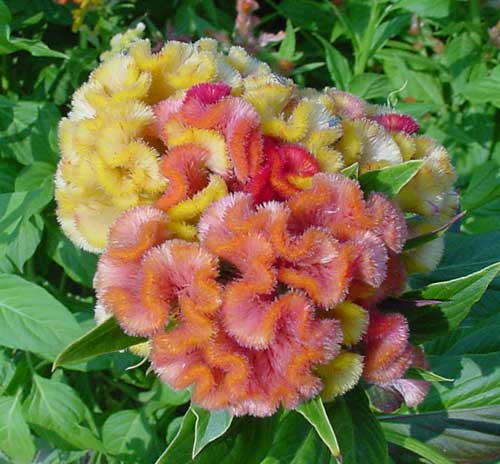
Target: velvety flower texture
(245,299)
(229,237)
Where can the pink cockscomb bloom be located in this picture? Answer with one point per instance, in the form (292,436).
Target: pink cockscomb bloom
(243,303)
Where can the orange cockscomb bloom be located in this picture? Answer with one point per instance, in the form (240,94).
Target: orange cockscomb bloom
(250,292)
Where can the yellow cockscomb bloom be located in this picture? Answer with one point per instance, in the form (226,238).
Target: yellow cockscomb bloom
(109,158)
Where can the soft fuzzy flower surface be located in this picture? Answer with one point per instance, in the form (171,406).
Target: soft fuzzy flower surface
(246,298)
(231,240)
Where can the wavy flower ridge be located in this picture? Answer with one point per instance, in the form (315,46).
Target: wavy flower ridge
(243,329)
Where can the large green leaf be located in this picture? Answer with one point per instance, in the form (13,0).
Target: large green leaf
(478,335)
(248,441)
(34,175)
(31,319)
(476,384)
(10,44)
(308,14)
(315,413)
(485,89)
(463,436)
(21,227)
(78,264)
(7,369)
(295,441)
(402,439)
(28,130)
(15,437)
(107,337)
(8,172)
(389,180)
(357,429)
(464,254)
(128,435)
(369,85)
(28,237)
(55,411)
(18,207)
(337,65)
(427,8)
(209,426)
(457,296)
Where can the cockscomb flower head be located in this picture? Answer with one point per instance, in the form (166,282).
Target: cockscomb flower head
(261,281)
(231,240)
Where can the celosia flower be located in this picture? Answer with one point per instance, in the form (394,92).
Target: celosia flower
(256,271)
(110,156)
(286,261)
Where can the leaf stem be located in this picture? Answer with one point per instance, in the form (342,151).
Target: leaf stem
(361,58)
(475,12)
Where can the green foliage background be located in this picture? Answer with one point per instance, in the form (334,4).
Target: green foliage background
(444,70)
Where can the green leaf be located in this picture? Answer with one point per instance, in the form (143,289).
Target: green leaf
(369,85)
(389,29)
(10,44)
(359,433)
(26,242)
(209,426)
(295,441)
(18,207)
(55,411)
(107,337)
(432,234)
(337,65)
(460,54)
(78,264)
(247,442)
(409,443)
(427,8)
(314,411)
(21,232)
(29,131)
(483,187)
(390,180)
(423,374)
(161,395)
(33,46)
(476,384)
(128,435)
(307,14)
(34,175)
(31,319)
(465,436)
(464,254)
(15,437)
(351,171)
(180,449)
(7,370)
(485,89)
(287,46)
(477,338)
(457,296)
(8,172)
(5,16)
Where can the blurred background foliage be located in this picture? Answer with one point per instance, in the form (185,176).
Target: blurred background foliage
(437,60)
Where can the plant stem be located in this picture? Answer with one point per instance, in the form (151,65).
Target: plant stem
(62,282)
(475,12)
(363,52)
